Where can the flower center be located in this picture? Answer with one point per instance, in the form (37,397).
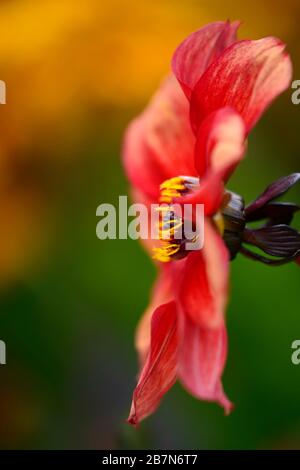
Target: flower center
(171,229)
(176,187)
(229,220)
(232,215)
(274,237)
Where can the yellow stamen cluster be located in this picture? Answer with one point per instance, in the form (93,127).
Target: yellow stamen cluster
(171,188)
(168,224)
(165,252)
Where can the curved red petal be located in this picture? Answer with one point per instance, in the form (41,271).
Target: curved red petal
(203,289)
(199,49)
(160,370)
(219,148)
(161,294)
(201,360)
(247,76)
(210,194)
(139,197)
(220,143)
(159,144)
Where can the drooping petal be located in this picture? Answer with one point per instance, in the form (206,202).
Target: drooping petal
(275,240)
(273,191)
(159,144)
(203,290)
(161,294)
(275,212)
(199,49)
(220,143)
(160,370)
(247,76)
(202,357)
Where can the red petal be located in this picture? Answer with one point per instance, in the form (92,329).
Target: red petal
(204,284)
(160,370)
(248,76)
(219,148)
(198,50)
(201,362)
(162,293)
(159,144)
(220,142)
(210,194)
(140,197)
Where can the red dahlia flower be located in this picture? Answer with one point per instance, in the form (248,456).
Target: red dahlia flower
(197,125)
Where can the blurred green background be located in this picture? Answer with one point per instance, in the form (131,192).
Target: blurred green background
(76,73)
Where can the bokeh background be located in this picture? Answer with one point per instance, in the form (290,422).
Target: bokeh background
(76,73)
